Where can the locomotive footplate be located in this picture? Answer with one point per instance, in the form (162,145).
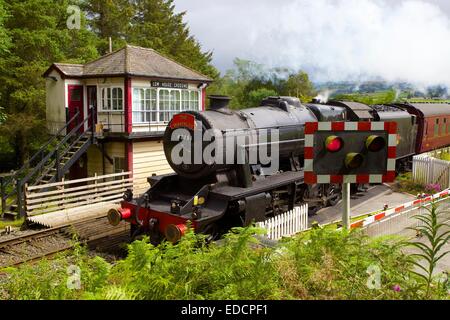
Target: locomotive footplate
(230,193)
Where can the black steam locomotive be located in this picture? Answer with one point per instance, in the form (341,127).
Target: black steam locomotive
(214,195)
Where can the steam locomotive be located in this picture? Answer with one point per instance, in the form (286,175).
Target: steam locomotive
(213,195)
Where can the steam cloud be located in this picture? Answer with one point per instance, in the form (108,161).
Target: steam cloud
(333,40)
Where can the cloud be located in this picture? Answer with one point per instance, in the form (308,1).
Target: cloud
(334,40)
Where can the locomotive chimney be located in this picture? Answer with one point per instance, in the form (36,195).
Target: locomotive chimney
(218,102)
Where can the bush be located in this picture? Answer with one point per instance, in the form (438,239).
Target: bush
(324,264)
(433,188)
(404,183)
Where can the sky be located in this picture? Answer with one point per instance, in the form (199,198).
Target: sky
(333,40)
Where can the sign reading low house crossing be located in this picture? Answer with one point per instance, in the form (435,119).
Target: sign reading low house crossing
(169,85)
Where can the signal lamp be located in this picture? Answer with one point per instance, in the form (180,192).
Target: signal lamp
(375,143)
(354,160)
(334,143)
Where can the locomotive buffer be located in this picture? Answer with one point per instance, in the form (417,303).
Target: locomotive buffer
(350,152)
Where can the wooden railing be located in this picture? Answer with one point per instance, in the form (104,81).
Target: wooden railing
(71,194)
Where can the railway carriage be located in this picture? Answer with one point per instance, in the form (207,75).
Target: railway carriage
(433,120)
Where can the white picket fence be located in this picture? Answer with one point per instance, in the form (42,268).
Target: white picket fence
(429,170)
(286,224)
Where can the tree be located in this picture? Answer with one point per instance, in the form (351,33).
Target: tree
(5,40)
(110,18)
(148,23)
(256,96)
(39,37)
(299,85)
(156,25)
(249,82)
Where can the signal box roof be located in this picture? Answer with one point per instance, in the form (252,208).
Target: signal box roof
(130,61)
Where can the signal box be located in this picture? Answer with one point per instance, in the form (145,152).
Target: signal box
(350,152)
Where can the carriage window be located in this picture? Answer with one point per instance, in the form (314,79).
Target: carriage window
(436,128)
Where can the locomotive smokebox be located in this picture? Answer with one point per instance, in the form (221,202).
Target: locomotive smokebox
(218,102)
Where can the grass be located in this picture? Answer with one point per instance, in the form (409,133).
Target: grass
(404,183)
(421,100)
(15,223)
(379,97)
(443,156)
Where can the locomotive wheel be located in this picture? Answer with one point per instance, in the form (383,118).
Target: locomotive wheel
(333,194)
(136,233)
(211,232)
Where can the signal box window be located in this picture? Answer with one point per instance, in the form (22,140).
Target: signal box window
(119,164)
(144,105)
(112,99)
(159,105)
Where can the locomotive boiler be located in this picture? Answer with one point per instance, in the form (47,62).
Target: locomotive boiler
(217,192)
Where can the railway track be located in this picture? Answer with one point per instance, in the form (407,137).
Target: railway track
(96,233)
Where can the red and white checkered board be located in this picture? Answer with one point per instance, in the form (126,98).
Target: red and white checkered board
(312,127)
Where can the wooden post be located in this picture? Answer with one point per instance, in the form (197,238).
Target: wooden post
(448,176)
(25,188)
(91,113)
(58,166)
(2,195)
(63,192)
(19,198)
(95,185)
(123,182)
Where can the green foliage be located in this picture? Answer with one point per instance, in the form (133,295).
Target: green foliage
(34,34)
(39,37)
(49,280)
(381,97)
(152,24)
(16,223)
(2,115)
(5,40)
(249,82)
(298,85)
(334,265)
(324,264)
(405,183)
(428,254)
(256,96)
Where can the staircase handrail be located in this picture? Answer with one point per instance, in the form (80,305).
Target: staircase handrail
(51,153)
(40,151)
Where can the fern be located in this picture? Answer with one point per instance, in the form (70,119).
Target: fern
(437,235)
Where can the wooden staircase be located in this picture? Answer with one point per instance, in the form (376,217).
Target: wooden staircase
(48,165)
